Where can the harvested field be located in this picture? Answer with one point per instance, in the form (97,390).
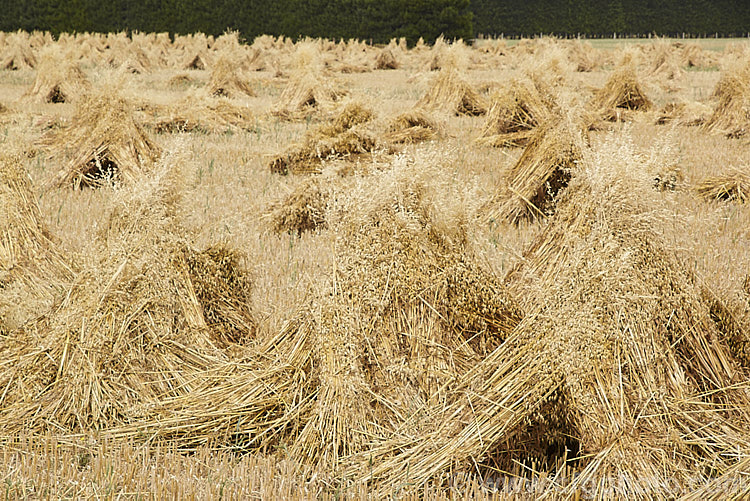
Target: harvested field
(326,269)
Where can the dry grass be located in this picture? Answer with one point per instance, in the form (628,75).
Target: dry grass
(202,327)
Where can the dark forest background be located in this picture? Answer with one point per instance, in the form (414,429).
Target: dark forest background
(381,20)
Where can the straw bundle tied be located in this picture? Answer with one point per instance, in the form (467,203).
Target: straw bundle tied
(255,403)
(302,210)
(409,313)
(195,113)
(18,56)
(58,79)
(665,64)
(732,114)
(129,57)
(181,81)
(540,173)
(442,55)
(303,95)
(194,61)
(352,57)
(620,95)
(309,88)
(450,92)
(583,55)
(386,60)
(344,137)
(733,185)
(515,112)
(400,322)
(106,143)
(619,362)
(144,314)
(730,316)
(33,272)
(411,127)
(226,82)
(693,56)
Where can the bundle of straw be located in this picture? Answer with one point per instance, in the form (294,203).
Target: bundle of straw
(413,126)
(540,173)
(732,114)
(734,185)
(58,79)
(226,82)
(450,92)
(33,270)
(106,141)
(621,94)
(515,112)
(143,317)
(343,137)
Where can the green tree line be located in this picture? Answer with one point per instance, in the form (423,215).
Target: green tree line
(376,20)
(381,20)
(605,17)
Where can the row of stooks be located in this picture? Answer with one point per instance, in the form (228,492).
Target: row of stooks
(106,139)
(150,52)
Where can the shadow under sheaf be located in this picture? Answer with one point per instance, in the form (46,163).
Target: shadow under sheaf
(106,143)
(619,358)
